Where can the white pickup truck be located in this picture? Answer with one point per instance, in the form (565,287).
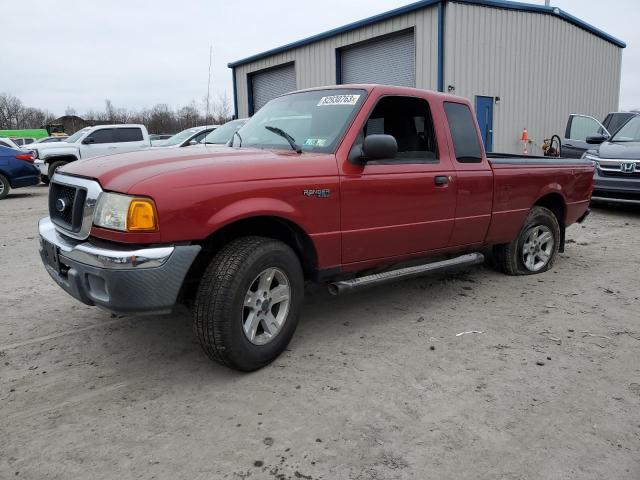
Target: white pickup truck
(87,143)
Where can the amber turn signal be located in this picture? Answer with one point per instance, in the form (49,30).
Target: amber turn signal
(142,216)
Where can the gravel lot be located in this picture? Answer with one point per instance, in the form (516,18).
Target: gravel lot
(375,385)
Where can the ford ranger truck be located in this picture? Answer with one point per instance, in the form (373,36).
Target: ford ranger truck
(351,185)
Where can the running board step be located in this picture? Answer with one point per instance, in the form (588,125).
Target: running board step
(345,286)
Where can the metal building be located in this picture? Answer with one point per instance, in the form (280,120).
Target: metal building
(521,65)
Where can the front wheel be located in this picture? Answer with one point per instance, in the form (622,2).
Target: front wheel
(535,248)
(248,302)
(4,187)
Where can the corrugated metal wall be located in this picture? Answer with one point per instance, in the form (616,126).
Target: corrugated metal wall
(542,68)
(316,63)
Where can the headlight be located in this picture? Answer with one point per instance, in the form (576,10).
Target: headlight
(126,213)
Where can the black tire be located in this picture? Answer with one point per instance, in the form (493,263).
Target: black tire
(5,187)
(219,309)
(44,179)
(55,166)
(510,258)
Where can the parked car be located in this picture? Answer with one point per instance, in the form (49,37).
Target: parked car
(328,185)
(61,138)
(155,136)
(87,143)
(579,127)
(16,170)
(190,136)
(223,134)
(7,142)
(617,161)
(23,141)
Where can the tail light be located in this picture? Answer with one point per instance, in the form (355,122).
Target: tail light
(27,157)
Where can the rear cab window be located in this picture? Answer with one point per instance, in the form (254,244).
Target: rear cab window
(462,125)
(129,134)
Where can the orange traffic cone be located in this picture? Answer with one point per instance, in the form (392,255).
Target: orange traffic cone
(525,140)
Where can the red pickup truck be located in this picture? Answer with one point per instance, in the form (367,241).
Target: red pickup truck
(350,185)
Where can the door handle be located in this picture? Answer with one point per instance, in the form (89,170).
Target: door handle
(441,180)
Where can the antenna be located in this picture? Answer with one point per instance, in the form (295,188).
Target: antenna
(206,119)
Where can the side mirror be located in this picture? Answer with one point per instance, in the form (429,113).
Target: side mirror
(193,141)
(374,147)
(88,140)
(596,139)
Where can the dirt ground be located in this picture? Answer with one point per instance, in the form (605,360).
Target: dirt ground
(375,385)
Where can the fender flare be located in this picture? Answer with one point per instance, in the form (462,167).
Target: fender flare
(255,207)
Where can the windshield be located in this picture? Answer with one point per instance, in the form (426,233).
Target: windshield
(74,138)
(315,120)
(180,137)
(630,132)
(223,134)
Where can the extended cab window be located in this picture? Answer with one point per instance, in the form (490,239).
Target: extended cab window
(463,132)
(104,135)
(128,135)
(408,120)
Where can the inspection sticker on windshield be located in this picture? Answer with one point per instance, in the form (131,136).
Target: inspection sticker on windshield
(315,142)
(338,100)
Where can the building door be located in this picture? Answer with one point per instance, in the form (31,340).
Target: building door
(268,84)
(484,113)
(390,60)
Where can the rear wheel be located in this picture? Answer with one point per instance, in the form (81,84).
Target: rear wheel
(248,302)
(5,187)
(535,248)
(55,166)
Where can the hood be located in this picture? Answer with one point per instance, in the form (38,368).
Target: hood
(53,145)
(186,167)
(620,150)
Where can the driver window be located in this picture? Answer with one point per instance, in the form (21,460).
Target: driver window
(409,121)
(104,135)
(583,127)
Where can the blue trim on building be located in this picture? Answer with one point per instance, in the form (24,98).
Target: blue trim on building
(509,5)
(441,7)
(235,93)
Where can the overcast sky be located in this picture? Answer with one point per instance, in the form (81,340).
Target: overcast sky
(139,53)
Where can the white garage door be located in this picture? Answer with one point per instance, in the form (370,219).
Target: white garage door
(271,84)
(390,61)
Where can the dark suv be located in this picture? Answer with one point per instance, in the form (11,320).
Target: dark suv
(617,159)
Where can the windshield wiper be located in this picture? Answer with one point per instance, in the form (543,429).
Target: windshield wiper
(286,136)
(239,138)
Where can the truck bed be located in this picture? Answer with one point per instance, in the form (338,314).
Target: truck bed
(513,159)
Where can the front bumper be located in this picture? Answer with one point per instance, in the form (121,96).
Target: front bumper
(617,189)
(38,162)
(119,279)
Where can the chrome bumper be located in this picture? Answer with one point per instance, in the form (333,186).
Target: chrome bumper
(119,279)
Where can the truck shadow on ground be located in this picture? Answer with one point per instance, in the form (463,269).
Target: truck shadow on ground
(145,341)
(619,210)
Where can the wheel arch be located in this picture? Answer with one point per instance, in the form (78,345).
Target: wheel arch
(269,226)
(556,203)
(60,158)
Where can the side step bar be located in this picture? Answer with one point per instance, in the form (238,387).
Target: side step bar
(346,286)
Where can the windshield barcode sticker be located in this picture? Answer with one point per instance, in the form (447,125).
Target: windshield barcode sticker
(338,100)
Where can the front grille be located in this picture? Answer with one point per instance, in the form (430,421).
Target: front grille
(619,173)
(66,205)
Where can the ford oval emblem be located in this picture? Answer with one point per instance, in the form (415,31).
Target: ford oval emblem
(61,205)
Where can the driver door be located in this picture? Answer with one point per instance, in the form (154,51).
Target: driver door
(579,127)
(400,206)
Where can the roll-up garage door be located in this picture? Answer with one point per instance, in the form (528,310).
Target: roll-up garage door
(390,61)
(272,83)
